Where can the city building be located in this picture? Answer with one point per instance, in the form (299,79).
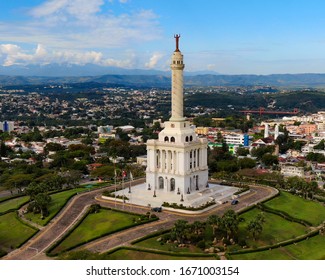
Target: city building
(236,139)
(289,170)
(7,126)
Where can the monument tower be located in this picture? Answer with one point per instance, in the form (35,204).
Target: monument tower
(177,161)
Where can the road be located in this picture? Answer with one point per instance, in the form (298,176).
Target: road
(36,247)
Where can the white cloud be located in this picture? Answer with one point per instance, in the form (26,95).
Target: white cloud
(154,60)
(12,54)
(77,8)
(84,31)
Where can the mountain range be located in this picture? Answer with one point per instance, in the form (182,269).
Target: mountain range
(90,73)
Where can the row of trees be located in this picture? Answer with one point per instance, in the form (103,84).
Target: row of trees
(223,228)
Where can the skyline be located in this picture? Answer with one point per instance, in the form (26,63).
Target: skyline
(228,37)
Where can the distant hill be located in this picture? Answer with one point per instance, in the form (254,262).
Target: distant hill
(65,74)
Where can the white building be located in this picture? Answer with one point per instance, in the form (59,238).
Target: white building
(292,170)
(234,138)
(177,161)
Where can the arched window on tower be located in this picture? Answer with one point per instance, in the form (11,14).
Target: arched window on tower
(161,182)
(166,139)
(172,139)
(191,138)
(186,139)
(172,184)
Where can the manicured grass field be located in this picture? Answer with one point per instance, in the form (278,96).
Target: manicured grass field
(298,207)
(13,204)
(125,254)
(311,249)
(95,226)
(13,232)
(152,243)
(275,229)
(58,201)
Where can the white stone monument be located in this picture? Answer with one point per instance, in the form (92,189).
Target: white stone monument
(177,161)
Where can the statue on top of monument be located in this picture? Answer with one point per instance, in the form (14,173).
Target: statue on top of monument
(177,36)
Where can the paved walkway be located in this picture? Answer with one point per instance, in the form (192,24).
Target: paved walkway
(36,247)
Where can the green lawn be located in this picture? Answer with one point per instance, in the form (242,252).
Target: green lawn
(152,243)
(13,232)
(13,204)
(95,226)
(298,207)
(58,201)
(275,229)
(125,254)
(311,249)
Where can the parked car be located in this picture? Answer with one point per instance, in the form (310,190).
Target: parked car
(234,202)
(156,209)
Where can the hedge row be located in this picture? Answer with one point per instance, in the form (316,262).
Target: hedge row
(48,252)
(280,244)
(242,190)
(11,197)
(283,214)
(190,208)
(166,253)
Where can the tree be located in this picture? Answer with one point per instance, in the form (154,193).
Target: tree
(260,151)
(202,121)
(246,163)
(72,177)
(53,147)
(242,151)
(122,135)
(42,200)
(269,159)
(105,172)
(215,222)
(18,181)
(320,145)
(34,189)
(255,227)
(315,157)
(179,230)
(4,150)
(230,222)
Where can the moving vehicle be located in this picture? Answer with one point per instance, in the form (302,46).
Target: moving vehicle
(234,202)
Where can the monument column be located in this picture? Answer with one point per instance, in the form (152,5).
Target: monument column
(177,68)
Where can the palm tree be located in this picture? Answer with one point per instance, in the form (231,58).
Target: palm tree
(230,222)
(197,227)
(179,230)
(215,222)
(255,227)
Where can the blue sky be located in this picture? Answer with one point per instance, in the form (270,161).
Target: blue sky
(229,37)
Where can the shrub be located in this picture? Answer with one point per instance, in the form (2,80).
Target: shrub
(94,208)
(201,244)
